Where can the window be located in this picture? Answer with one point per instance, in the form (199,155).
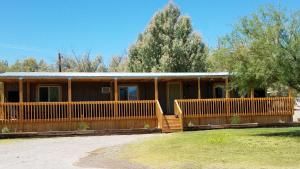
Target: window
(128,92)
(49,94)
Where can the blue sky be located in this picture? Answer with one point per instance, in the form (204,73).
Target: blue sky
(44,28)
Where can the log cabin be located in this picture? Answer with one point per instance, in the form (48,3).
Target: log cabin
(52,101)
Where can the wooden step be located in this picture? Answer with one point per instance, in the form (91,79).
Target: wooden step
(171,123)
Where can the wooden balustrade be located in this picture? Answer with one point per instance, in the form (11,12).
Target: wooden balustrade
(27,112)
(159,114)
(178,111)
(9,112)
(87,110)
(235,106)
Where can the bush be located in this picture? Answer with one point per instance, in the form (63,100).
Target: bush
(83,126)
(191,124)
(146,126)
(235,119)
(5,130)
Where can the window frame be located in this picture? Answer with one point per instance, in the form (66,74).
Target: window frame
(48,87)
(127,86)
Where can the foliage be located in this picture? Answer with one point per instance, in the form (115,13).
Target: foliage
(289,52)
(83,126)
(29,64)
(146,126)
(261,51)
(168,45)
(82,63)
(5,130)
(227,149)
(191,124)
(3,66)
(118,64)
(235,119)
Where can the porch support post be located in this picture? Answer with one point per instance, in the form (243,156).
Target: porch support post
(227,99)
(116,89)
(21,112)
(1,100)
(20,90)
(199,88)
(156,88)
(69,90)
(111,96)
(252,93)
(227,88)
(28,91)
(69,98)
(290,92)
(116,96)
(1,92)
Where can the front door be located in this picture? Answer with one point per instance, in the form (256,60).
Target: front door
(173,94)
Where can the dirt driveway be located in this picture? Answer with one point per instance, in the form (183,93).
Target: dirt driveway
(56,153)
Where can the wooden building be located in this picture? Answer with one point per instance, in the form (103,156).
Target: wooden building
(40,101)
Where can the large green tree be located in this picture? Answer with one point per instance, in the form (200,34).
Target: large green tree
(262,51)
(168,44)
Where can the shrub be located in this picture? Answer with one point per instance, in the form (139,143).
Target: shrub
(191,124)
(146,126)
(5,130)
(235,119)
(83,126)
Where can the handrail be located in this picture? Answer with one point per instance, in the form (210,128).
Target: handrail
(236,106)
(178,112)
(159,114)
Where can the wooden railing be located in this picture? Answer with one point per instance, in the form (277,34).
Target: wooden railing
(159,114)
(236,106)
(68,111)
(9,111)
(178,112)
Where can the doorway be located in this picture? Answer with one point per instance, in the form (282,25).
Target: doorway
(173,93)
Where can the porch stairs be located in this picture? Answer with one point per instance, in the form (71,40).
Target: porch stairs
(171,123)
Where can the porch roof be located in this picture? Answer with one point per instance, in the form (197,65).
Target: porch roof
(109,75)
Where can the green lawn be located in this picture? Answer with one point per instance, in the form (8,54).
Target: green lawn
(229,148)
(9,141)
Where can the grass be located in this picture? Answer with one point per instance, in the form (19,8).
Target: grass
(9,141)
(229,148)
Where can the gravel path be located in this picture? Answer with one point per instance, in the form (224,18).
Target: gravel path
(56,153)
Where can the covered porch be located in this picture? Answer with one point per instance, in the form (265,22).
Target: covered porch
(36,102)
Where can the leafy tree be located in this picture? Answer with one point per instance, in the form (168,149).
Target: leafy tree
(29,64)
(3,66)
(289,52)
(68,64)
(83,63)
(118,64)
(168,44)
(44,67)
(262,51)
